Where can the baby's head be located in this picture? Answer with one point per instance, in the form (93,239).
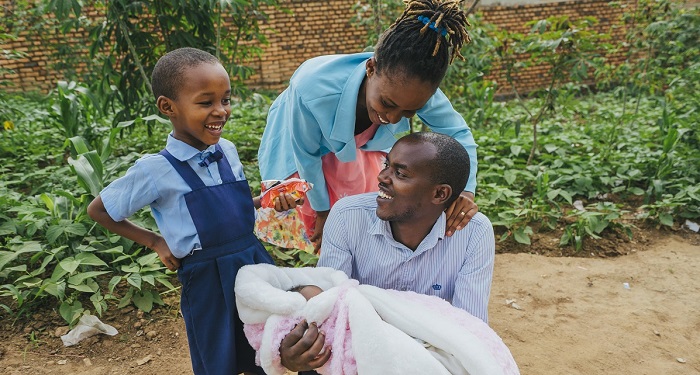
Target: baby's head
(308,291)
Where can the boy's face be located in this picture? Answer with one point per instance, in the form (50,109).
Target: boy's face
(203,105)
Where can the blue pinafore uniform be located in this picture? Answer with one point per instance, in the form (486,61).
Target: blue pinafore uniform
(224,217)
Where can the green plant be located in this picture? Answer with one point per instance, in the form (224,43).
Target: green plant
(591,222)
(134,34)
(569,48)
(77,111)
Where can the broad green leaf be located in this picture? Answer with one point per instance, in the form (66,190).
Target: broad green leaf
(510,176)
(55,289)
(76,229)
(307,258)
(148,259)
(149,279)
(131,268)
(8,228)
(134,279)
(521,237)
(666,219)
(113,283)
(87,176)
(143,300)
(281,255)
(83,288)
(90,259)
(8,256)
(53,232)
(82,276)
(636,191)
(515,150)
(69,264)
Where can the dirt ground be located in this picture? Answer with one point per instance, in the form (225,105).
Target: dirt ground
(636,313)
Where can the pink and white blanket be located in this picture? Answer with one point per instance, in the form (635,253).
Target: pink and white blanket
(370,330)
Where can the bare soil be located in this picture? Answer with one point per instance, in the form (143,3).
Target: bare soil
(618,306)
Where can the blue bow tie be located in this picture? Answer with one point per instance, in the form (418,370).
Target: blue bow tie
(213,157)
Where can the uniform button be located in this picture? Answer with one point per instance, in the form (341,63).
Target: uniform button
(219,180)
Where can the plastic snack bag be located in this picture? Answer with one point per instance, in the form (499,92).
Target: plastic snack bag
(272,189)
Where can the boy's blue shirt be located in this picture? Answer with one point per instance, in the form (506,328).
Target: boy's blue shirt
(153,181)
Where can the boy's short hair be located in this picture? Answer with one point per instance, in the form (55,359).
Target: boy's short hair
(450,164)
(166,79)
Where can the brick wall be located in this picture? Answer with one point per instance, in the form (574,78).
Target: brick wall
(314,27)
(514,17)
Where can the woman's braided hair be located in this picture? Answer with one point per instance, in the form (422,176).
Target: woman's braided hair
(424,40)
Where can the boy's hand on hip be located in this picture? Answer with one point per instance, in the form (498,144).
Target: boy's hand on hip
(166,256)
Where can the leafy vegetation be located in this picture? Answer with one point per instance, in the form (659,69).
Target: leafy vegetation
(596,166)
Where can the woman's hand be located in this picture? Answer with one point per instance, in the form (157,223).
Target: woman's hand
(302,348)
(460,212)
(286,202)
(317,237)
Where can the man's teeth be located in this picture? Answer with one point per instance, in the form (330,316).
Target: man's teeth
(214,127)
(382,119)
(384,195)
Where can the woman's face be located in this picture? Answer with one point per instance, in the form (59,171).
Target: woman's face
(392,96)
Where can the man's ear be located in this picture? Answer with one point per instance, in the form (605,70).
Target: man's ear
(443,192)
(166,106)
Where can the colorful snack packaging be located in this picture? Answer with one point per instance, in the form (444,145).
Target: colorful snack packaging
(272,189)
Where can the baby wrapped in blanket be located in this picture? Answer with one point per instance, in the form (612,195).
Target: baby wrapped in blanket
(370,330)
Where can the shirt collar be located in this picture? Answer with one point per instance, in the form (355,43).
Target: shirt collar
(182,151)
(383,228)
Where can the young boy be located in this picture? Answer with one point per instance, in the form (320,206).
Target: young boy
(202,205)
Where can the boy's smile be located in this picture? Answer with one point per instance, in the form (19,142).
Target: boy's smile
(202,107)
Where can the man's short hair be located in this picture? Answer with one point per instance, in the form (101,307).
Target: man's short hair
(167,79)
(451,163)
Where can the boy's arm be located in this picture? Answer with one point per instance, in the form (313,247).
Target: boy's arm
(127,229)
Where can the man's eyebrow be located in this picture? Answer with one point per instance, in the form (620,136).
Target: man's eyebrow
(399,166)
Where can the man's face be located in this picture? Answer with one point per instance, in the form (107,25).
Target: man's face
(203,105)
(405,186)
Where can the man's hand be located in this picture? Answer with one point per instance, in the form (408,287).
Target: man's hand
(460,212)
(302,348)
(317,237)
